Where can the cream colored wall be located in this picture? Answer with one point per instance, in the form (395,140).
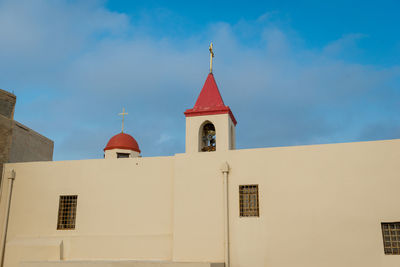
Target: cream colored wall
(118,263)
(34,249)
(198,212)
(319,206)
(222,124)
(124,207)
(112,153)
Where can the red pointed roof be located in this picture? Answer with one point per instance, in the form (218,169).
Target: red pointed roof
(210,101)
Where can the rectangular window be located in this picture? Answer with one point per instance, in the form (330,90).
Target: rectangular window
(248,200)
(67,212)
(123,155)
(391,238)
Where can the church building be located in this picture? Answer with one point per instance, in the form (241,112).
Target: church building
(333,205)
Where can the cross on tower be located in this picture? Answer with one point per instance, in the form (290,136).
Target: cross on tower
(123,117)
(211,56)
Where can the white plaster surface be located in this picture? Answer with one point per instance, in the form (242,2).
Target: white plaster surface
(119,264)
(320,206)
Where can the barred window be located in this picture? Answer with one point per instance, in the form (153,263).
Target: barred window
(248,200)
(391,238)
(67,212)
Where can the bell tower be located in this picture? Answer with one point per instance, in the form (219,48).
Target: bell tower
(210,125)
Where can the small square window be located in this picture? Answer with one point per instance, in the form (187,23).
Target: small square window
(248,201)
(391,239)
(67,212)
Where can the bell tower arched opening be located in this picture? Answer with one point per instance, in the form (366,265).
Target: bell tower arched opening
(208,141)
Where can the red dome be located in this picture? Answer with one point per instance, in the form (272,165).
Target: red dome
(122,141)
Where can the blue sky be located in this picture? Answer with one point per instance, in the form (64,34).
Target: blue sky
(293,72)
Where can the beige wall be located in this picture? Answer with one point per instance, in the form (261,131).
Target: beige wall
(198,210)
(320,205)
(120,264)
(124,207)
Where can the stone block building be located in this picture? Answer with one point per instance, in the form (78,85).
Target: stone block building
(19,143)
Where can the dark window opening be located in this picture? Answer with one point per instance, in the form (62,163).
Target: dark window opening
(208,138)
(123,155)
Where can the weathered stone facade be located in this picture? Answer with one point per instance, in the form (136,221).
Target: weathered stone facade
(18,143)
(28,145)
(7,104)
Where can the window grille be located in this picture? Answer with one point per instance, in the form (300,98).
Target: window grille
(67,212)
(391,238)
(248,201)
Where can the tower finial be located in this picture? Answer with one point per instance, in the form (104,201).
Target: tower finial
(123,117)
(211,55)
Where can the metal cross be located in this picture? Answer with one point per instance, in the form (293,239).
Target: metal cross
(123,117)
(211,56)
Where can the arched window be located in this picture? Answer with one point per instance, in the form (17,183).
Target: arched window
(208,137)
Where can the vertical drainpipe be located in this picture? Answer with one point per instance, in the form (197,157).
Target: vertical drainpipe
(225,172)
(8,204)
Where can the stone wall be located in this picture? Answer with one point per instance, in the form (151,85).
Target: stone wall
(18,143)
(7,104)
(5,138)
(5,142)
(28,145)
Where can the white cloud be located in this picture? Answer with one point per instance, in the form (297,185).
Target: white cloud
(344,44)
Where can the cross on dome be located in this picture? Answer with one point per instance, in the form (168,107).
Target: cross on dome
(123,117)
(122,144)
